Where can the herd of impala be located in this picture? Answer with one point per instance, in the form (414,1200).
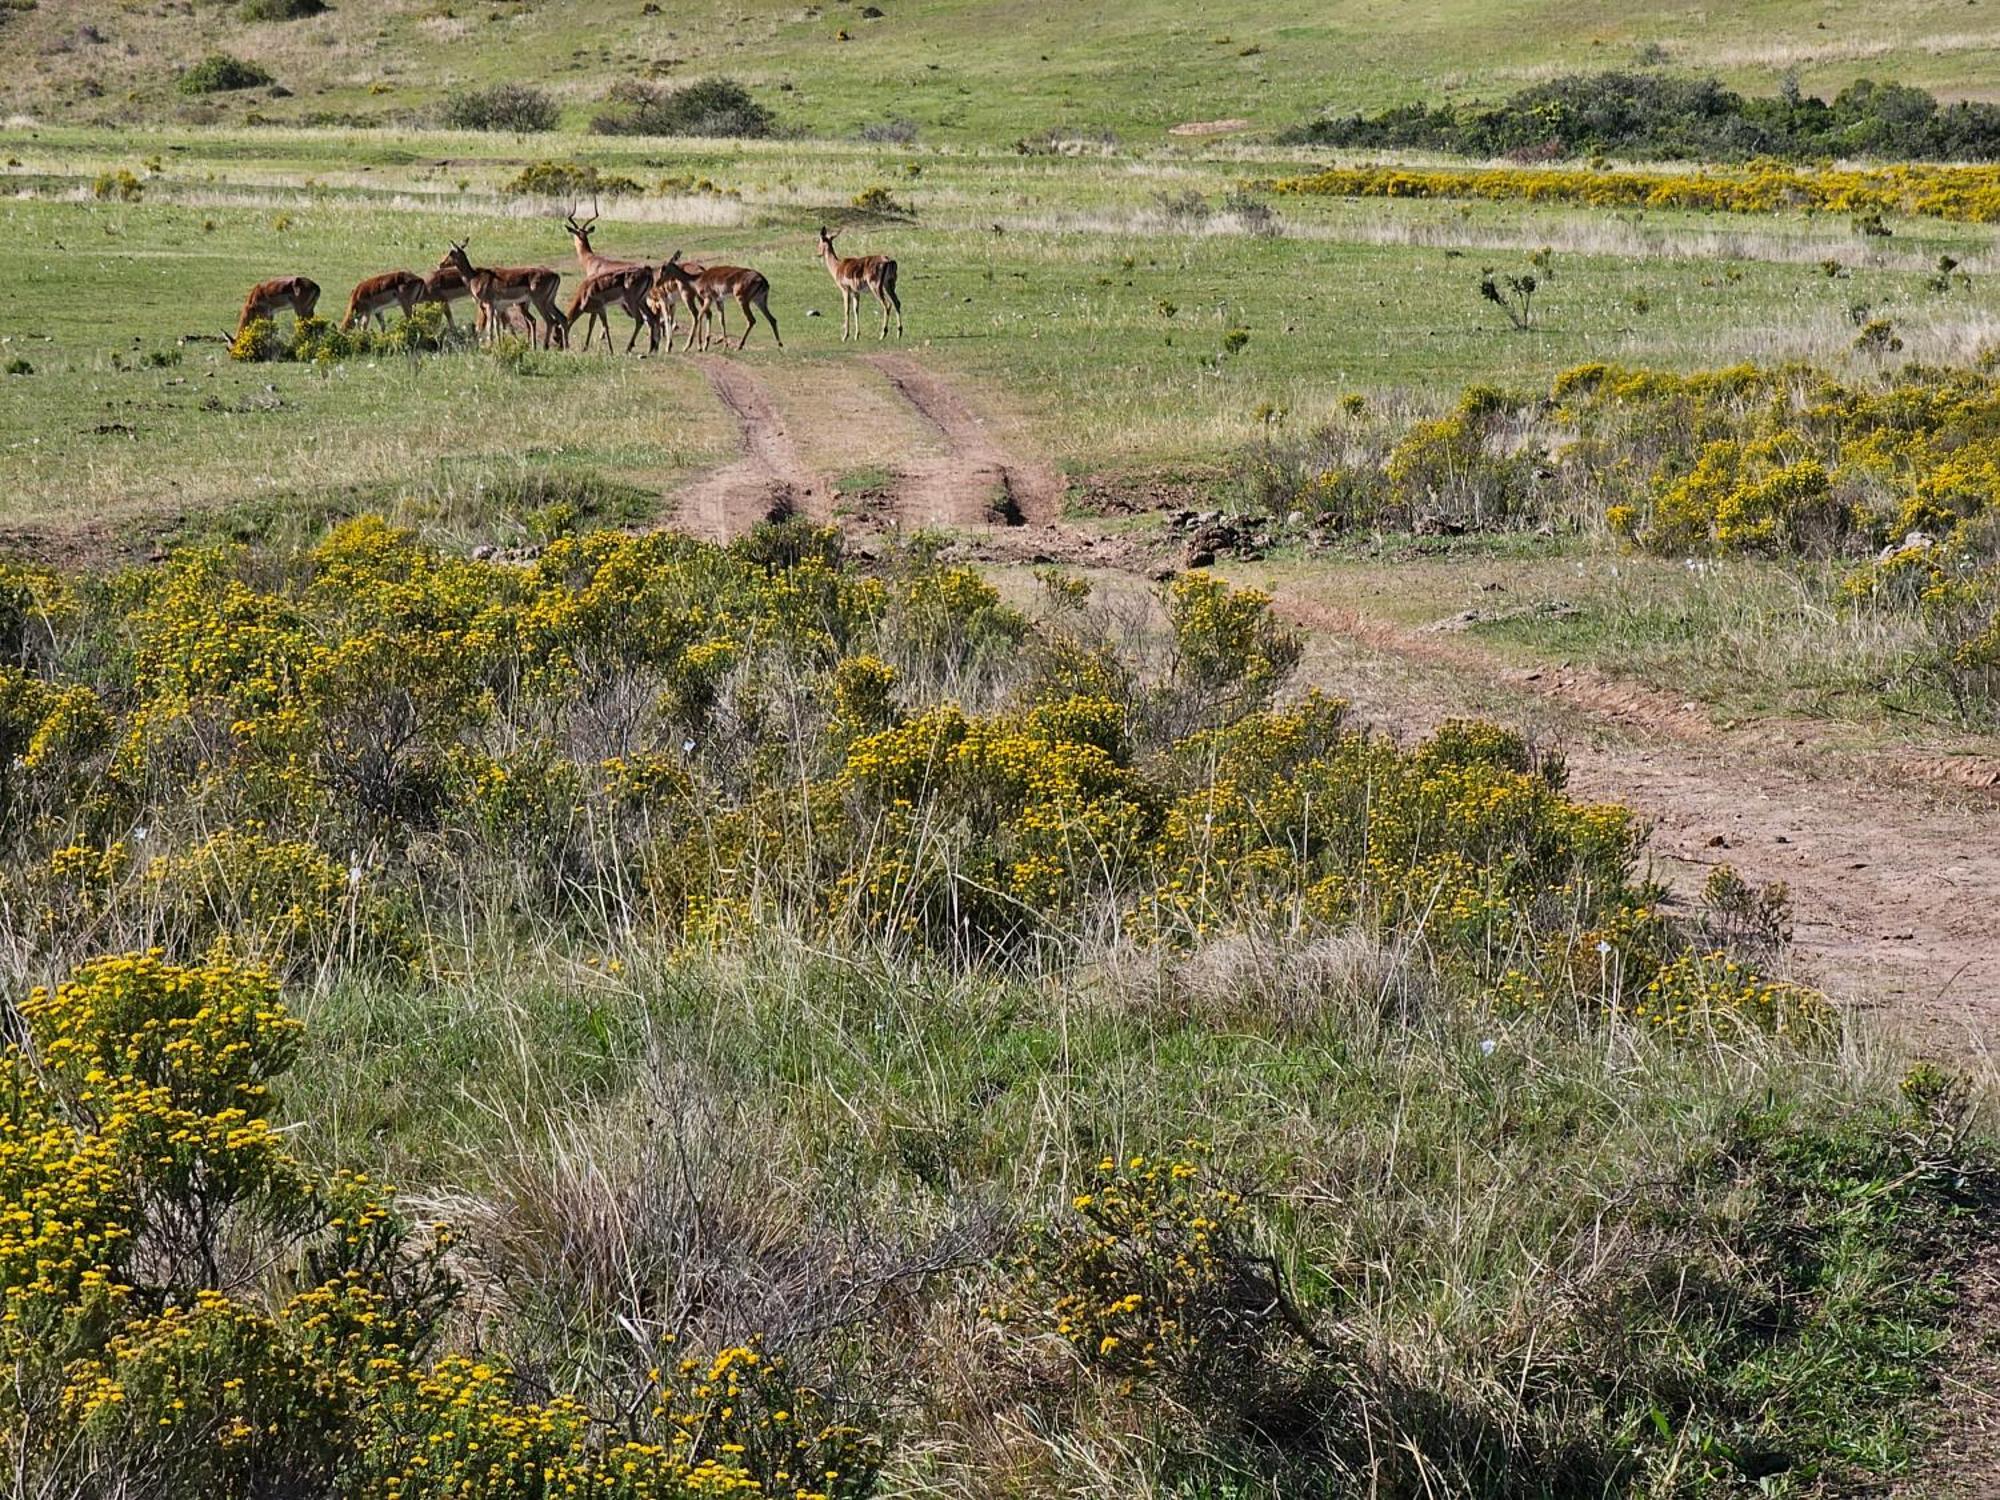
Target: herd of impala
(651,295)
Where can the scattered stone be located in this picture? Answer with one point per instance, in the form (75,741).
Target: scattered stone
(1915,541)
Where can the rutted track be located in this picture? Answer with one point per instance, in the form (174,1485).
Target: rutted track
(1893,887)
(976,483)
(767,482)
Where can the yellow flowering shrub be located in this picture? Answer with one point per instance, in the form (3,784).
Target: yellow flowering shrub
(189,1310)
(862,696)
(705,738)
(1151,1276)
(1970,194)
(1704,991)
(1228,647)
(273,897)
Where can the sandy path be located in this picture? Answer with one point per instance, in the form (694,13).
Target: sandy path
(976,482)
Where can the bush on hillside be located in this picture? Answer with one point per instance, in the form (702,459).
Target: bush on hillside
(714,107)
(280,10)
(1653,115)
(219,73)
(505,106)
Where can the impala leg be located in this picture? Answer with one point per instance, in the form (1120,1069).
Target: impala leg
(763,306)
(882,296)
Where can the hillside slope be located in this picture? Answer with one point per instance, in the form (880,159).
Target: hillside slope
(970,71)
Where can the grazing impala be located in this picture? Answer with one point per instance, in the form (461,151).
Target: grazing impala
(497,288)
(626,287)
(375,296)
(267,298)
(857,274)
(597,265)
(705,291)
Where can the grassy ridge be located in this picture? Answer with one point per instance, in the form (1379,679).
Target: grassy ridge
(977,71)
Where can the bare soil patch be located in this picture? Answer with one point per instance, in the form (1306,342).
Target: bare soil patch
(976,482)
(769,481)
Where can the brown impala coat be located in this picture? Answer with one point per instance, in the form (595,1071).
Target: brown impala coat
(268,298)
(378,294)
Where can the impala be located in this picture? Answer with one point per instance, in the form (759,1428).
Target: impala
(857,274)
(375,296)
(597,265)
(497,288)
(705,291)
(668,294)
(626,287)
(299,293)
(445,286)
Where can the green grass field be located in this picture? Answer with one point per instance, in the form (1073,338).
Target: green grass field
(976,72)
(1078,293)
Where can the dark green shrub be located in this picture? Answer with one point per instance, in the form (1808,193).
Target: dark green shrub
(713,107)
(1654,115)
(219,73)
(280,10)
(505,106)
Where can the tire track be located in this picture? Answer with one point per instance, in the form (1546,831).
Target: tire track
(1893,887)
(976,483)
(767,482)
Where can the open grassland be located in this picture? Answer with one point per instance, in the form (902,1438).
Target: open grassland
(968,71)
(1131,331)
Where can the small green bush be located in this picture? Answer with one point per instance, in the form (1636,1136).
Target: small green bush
(19,366)
(714,107)
(280,10)
(505,106)
(219,73)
